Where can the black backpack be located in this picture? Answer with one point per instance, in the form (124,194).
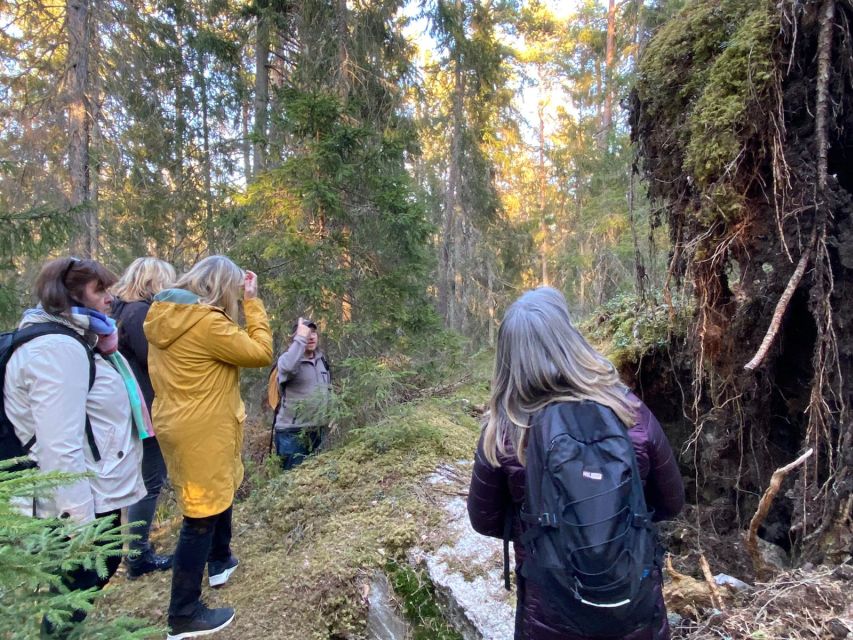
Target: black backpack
(588,534)
(10,445)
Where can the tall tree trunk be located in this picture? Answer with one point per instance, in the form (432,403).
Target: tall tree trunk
(275,140)
(262,52)
(95,140)
(639,268)
(210,228)
(491,302)
(342,28)
(599,93)
(543,230)
(182,102)
(79,125)
(609,76)
(450,252)
(246,145)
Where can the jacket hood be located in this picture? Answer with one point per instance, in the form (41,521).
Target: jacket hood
(173,313)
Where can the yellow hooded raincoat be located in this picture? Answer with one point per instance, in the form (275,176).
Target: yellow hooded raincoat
(195,354)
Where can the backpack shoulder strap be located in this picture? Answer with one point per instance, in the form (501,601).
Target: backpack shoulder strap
(21,337)
(506,539)
(325,362)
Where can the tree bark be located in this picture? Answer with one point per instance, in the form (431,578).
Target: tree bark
(639,268)
(262,52)
(450,241)
(491,302)
(95,138)
(824,54)
(609,57)
(210,228)
(246,145)
(182,101)
(342,28)
(79,125)
(543,230)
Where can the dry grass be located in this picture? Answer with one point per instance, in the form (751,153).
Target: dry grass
(796,605)
(308,540)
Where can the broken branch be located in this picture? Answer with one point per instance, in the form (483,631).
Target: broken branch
(716,598)
(782,306)
(764,507)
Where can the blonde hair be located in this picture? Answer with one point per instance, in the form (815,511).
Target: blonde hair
(542,358)
(216,280)
(143,279)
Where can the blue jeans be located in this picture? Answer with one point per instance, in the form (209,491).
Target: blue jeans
(153,475)
(295,445)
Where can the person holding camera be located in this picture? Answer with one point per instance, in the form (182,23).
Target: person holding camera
(305,382)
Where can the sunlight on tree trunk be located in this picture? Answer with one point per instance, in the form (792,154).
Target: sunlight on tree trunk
(79,125)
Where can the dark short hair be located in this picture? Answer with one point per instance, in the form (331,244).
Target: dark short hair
(61,282)
(310,323)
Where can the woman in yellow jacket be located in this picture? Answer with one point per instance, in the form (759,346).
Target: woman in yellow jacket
(195,354)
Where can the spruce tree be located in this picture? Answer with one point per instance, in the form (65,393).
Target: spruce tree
(34,553)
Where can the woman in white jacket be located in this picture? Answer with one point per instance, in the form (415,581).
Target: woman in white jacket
(69,425)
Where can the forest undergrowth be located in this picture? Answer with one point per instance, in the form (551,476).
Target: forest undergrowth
(310,540)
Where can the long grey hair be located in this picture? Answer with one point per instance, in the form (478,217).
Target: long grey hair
(542,358)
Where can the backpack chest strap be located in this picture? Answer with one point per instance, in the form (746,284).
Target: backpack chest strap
(541,520)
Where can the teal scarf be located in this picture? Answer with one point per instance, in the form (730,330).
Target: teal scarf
(138,408)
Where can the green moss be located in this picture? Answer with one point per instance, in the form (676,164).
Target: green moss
(705,89)
(738,82)
(625,330)
(418,602)
(675,65)
(309,539)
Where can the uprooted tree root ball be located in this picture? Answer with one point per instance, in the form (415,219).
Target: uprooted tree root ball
(743,118)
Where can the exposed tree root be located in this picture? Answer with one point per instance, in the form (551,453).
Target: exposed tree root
(763,507)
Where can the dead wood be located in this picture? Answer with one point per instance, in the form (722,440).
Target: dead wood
(776,479)
(782,305)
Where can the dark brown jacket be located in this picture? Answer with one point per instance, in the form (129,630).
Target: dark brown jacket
(495,490)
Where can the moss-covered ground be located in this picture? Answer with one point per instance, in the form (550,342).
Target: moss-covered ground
(309,539)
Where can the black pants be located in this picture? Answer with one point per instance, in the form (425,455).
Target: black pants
(80,579)
(153,474)
(202,540)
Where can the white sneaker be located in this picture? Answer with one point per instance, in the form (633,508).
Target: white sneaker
(219,572)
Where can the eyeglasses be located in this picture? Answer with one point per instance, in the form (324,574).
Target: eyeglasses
(70,266)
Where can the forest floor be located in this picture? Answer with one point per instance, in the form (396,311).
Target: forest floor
(310,540)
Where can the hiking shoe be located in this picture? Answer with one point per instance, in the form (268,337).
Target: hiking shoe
(152,563)
(219,572)
(203,623)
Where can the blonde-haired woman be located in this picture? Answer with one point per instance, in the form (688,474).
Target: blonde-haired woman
(542,363)
(132,297)
(196,350)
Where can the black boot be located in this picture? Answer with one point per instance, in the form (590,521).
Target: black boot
(152,562)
